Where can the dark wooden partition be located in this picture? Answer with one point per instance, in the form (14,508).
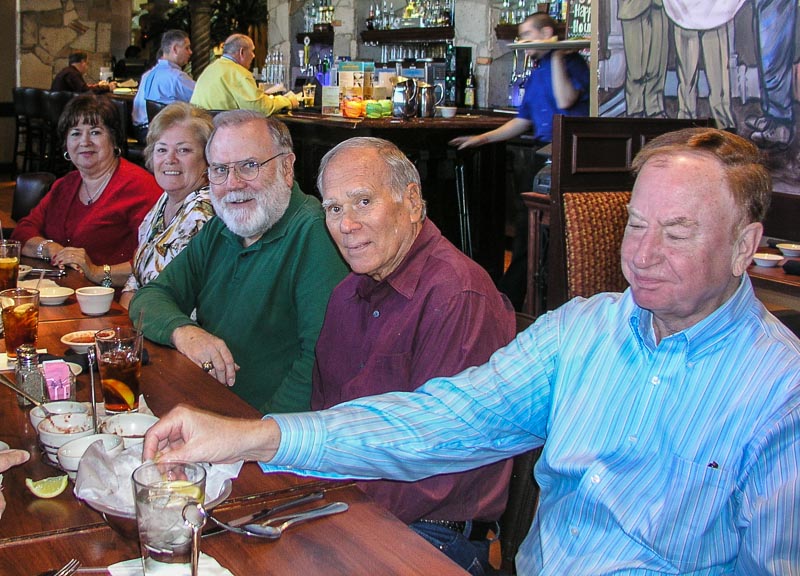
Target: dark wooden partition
(783,217)
(593,155)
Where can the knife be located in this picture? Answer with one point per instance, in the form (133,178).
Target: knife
(260,515)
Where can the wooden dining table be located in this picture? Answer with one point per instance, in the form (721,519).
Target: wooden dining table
(41,534)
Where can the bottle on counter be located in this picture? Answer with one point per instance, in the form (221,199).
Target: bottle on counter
(469,89)
(28,376)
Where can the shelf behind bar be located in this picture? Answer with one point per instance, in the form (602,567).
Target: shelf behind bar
(402,35)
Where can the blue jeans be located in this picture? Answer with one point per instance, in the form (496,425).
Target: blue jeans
(471,555)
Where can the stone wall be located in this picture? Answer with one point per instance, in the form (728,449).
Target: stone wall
(52,29)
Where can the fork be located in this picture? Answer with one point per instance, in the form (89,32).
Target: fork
(69,568)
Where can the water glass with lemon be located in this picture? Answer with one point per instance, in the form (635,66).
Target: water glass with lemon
(119,353)
(20,318)
(161,491)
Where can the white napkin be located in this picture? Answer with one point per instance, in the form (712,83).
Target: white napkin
(207,566)
(106,480)
(5,365)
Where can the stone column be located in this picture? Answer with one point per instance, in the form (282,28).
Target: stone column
(201,35)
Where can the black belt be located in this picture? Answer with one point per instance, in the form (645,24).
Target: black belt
(478,532)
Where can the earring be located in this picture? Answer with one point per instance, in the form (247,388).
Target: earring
(66,157)
(117,151)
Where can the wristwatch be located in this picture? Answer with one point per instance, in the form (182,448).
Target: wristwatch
(106,281)
(40,250)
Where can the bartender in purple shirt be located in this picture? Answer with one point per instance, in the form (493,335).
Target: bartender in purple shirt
(414,307)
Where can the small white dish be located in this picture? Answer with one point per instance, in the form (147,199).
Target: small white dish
(94,300)
(791,250)
(767,260)
(4,446)
(70,454)
(76,369)
(23,271)
(447,111)
(79,341)
(54,295)
(36,414)
(131,427)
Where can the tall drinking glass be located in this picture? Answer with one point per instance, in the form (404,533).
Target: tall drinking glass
(161,491)
(20,318)
(119,357)
(9,264)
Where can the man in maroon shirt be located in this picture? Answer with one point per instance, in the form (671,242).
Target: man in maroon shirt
(414,307)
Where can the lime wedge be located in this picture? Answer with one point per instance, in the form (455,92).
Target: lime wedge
(47,487)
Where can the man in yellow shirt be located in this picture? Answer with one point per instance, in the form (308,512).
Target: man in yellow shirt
(228,84)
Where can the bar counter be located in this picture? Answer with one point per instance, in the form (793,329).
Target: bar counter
(464,189)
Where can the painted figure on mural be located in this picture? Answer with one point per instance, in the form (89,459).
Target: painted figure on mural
(644,34)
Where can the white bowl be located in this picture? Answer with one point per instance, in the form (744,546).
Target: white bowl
(79,341)
(54,295)
(70,454)
(131,427)
(94,300)
(792,250)
(58,429)
(58,407)
(23,271)
(767,260)
(447,111)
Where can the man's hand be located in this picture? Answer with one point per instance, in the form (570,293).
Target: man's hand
(202,347)
(9,458)
(193,435)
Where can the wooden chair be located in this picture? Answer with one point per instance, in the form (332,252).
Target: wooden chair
(590,189)
(30,188)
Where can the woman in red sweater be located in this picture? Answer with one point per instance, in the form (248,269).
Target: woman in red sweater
(90,218)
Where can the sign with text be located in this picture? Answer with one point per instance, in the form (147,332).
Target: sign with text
(579,19)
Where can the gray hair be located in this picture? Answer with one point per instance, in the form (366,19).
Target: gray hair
(196,119)
(171,37)
(401,171)
(236,42)
(277,130)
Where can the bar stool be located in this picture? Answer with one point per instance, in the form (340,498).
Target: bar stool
(37,119)
(54,103)
(21,137)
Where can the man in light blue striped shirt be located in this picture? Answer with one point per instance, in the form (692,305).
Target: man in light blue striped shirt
(670,414)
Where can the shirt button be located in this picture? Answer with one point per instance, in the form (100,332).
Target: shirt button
(595,479)
(632,438)
(376,313)
(573,531)
(655,380)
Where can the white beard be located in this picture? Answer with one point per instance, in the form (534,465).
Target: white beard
(270,205)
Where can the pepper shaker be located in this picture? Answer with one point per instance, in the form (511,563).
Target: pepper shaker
(27,373)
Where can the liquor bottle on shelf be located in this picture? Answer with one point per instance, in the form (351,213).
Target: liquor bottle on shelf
(469,89)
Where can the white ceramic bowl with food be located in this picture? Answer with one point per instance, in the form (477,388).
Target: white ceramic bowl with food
(130,427)
(70,454)
(24,270)
(447,111)
(792,250)
(766,260)
(94,300)
(79,341)
(58,407)
(58,429)
(54,295)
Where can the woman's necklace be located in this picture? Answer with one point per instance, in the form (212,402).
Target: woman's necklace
(92,197)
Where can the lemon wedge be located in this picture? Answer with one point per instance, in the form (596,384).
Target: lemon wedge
(22,308)
(5,262)
(185,488)
(120,389)
(47,487)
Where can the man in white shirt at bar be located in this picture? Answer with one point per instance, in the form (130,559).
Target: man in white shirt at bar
(669,414)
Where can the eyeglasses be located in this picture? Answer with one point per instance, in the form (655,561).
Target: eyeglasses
(244,169)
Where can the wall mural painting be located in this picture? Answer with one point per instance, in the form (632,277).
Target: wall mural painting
(733,60)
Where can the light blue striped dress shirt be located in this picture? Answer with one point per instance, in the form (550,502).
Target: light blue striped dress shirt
(676,458)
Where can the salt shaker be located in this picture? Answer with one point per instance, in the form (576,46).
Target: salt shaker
(28,376)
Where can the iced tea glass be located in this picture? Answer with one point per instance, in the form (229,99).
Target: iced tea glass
(20,318)
(119,356)
(9,264)
(161,491)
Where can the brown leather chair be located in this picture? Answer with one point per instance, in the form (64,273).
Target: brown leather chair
(153,108)
(31,187)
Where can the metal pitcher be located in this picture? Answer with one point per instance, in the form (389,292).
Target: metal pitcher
(404,98)
(426,96)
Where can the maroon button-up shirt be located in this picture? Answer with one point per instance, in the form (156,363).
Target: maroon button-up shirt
(435,315)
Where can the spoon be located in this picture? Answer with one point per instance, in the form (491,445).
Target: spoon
(38,403)
(274,532)
(90,356)
(195,516)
